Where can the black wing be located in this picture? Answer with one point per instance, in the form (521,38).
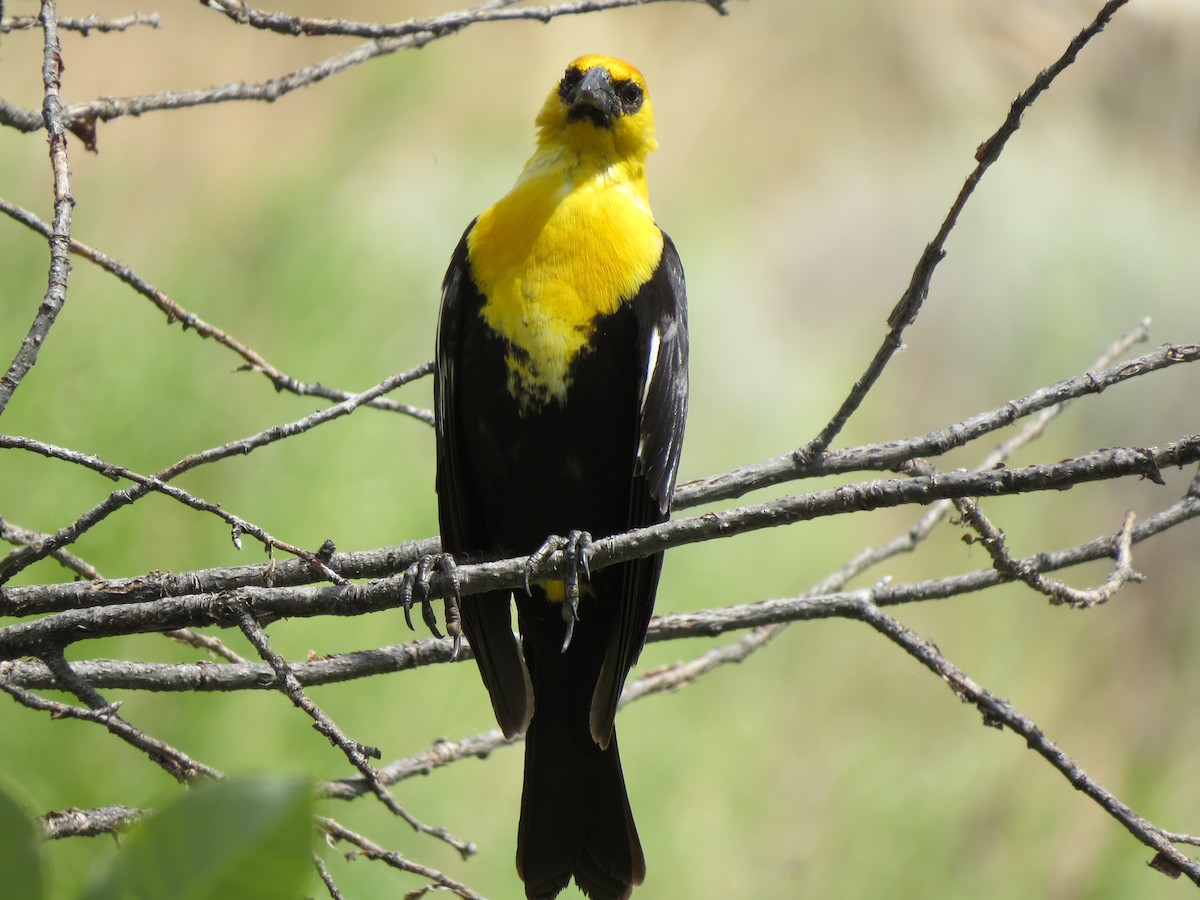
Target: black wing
(661,310)
(486,619)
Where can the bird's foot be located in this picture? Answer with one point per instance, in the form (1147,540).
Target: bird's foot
(574,548)
(414,588)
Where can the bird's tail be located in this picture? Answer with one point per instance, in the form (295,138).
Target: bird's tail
(575,815)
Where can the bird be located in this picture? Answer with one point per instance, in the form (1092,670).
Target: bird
(561,390)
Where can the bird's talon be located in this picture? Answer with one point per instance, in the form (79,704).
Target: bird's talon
(539,556)
(430,618)
(415,589)
(406,593)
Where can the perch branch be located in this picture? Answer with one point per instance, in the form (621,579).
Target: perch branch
(61,629)
(206,676)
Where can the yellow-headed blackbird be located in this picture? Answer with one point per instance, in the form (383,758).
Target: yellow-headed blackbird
(561,393)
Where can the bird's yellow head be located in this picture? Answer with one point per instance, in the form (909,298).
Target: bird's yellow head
(600,107)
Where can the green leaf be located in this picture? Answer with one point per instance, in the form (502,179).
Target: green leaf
(221,841)
(20,851)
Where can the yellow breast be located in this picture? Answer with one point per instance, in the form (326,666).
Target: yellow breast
(560,250)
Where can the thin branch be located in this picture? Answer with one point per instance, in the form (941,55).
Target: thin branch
(64,204)
(81,119)
(75,822)
(176,763)
(254,361)
(439,26)
(893,454)
(327,878)
(20,537)
(442,753)
(994,542)
(909,305)
(238,525)
(213,645)
(998,712)
(355,752)
(86,25)
(338,832)
(26,556)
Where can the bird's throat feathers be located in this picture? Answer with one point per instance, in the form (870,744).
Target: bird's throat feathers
(571,242)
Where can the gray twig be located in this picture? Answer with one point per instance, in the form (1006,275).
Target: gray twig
(998,712)
(357,753)
(64,204)
(338,832)
(994,542)
(85,25)
(238,525)
(254,361)
(26,556)
(176,763)
(437,26)
(906,309)
(82,118)
(75,822)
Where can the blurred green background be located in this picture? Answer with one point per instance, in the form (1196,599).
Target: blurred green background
(808,152)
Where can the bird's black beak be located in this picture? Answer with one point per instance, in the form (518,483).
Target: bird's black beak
(594,98)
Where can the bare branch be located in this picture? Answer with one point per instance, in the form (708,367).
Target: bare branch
(238,525)
(355,752)
(254,361)
(179,765)
(26,556)
(75,822)
(61,629)
(26,600)
(86,25)
(822,602)
(993,541)
(371,850)
(20,537)
(327,878)
(81,119)
(437,26)
(64,205)
(213,645)
(998,712)
(909,305)
(893,454)
(1047,402)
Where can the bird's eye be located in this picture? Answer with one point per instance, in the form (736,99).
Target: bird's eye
(630,94)
(570,81)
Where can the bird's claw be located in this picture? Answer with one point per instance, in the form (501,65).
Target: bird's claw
(415,588)
(574,548)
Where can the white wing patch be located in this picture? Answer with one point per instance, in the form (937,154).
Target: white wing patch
(651,365)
